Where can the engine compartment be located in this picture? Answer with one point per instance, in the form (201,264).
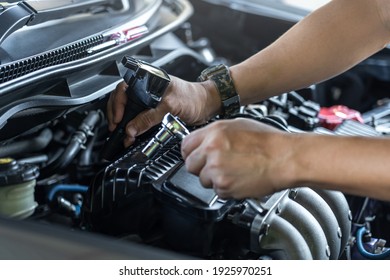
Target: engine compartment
(54,173)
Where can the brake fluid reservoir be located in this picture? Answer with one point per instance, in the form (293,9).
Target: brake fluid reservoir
(17,186)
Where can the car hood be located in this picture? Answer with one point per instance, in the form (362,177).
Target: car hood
(70,58)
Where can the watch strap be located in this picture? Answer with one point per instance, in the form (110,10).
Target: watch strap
(220,75)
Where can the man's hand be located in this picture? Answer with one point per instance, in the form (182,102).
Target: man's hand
(239,158)
(116,105)
(193,103)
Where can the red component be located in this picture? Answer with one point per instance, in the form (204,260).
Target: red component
(331,117)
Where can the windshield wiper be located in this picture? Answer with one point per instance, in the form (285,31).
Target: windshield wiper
(14,16)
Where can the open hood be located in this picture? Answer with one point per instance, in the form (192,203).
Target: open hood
(50,64)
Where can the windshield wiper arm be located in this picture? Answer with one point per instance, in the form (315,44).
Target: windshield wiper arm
(14,16)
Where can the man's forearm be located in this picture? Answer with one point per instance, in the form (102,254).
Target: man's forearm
(355,165)
(324,44)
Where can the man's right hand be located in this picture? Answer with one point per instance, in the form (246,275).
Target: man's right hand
(193,103)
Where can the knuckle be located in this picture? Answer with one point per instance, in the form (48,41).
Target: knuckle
(205,183)
(213,148)
(219,180)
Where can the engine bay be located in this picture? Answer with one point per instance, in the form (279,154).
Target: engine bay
(53,171)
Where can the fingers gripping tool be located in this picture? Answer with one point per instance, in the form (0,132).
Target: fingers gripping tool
(146,86)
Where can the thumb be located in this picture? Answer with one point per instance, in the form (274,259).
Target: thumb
(142,123)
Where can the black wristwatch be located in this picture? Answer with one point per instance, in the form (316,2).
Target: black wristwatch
(220,75)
